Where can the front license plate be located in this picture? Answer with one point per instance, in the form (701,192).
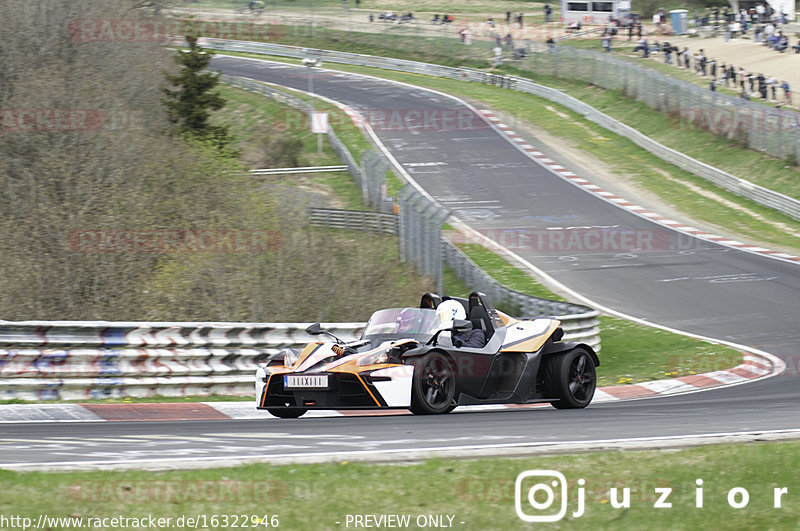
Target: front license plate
(305,381)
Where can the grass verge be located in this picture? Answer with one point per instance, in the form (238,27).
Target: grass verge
(477,494)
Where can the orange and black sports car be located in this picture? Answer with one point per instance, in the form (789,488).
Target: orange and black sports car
(409,358)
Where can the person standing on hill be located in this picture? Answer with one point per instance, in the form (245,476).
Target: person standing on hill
(787,93)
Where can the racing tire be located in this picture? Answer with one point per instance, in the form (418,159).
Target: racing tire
(434,385)
(572,378)
(287,413)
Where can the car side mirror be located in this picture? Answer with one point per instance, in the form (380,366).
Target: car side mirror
(462,325)
(314,330)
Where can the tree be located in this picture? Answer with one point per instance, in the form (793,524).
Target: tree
(190,105)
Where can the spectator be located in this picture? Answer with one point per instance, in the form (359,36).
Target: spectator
(508,18)
(548,13)
(641,45)
(742,78)
(782,44)
(712,65)
(772,85)
(712,86)
(551,45)
(498,55)
(606,42)
(509,41)
(762,86)
(686,58)
(466,36)
(787,93)
(724,74)
(667,48)
(435,19)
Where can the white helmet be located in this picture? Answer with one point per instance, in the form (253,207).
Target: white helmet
(450,310)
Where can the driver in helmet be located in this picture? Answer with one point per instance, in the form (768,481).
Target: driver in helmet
(408,320)
(450,310)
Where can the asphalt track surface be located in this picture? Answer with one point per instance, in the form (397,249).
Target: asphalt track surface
(688,284)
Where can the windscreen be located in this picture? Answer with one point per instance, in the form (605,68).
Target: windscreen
(402,322)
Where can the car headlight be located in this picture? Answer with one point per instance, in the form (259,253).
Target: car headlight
(375,358)
(290,357)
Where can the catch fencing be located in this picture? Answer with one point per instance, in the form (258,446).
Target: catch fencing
(421,221)
(773,131)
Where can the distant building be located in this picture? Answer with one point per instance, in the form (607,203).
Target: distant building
(593,12)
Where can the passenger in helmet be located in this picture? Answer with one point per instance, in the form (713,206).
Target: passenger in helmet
(450,310)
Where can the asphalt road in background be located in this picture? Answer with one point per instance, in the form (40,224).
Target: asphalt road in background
(682,282)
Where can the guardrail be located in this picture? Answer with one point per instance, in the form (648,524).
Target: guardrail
(302,169)
(333,218)
(92,360)
(764,196)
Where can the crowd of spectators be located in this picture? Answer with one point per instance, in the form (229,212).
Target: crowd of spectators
(749,84)
(761,20)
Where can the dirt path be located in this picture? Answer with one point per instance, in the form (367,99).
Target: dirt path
(752,57)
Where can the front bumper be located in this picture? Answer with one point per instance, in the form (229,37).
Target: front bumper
(385,388)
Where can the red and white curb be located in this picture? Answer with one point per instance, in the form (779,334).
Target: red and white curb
(752,367)
(587,185)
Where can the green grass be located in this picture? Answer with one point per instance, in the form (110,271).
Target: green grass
(247,114)
(478,492)
(728,155)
